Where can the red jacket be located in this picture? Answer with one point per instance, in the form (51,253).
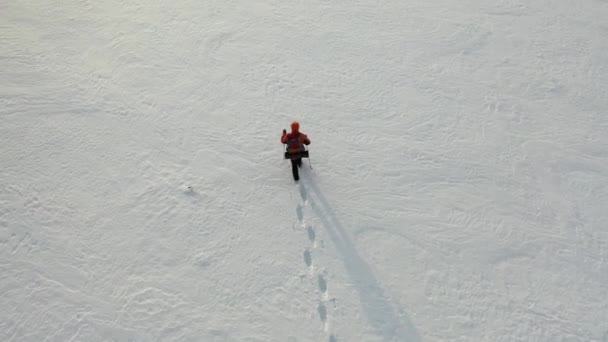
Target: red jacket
(295,141)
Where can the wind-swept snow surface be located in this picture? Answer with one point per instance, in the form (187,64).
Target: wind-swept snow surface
(459,189)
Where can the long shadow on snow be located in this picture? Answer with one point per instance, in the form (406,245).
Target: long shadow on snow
(377,308)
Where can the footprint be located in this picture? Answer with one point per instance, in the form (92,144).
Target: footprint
(300,212)
(322,284)
(303,192)
(332,338)
(311,234)
(322,312)
(308,258)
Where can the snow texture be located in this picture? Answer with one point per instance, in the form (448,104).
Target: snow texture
(459,189)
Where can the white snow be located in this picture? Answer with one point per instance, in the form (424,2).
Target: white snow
(459,189)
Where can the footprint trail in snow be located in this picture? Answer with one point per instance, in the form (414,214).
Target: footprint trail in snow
(321,277)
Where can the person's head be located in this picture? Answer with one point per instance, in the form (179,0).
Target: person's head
(295,126)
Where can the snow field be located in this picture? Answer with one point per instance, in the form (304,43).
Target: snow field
(458,192)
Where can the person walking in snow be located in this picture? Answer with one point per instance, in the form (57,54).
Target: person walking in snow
(295,142)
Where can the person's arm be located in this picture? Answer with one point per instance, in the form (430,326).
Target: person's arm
(305,139)
(284,137)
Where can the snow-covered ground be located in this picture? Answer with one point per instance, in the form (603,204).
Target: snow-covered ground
(459,189)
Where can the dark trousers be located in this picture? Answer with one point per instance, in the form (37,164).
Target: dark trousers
(295,163)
